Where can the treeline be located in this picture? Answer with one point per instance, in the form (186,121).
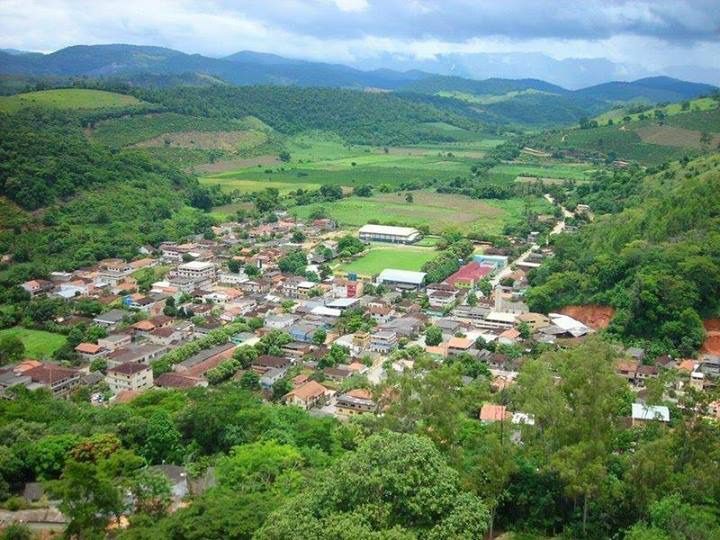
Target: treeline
(657,262)
(358,117)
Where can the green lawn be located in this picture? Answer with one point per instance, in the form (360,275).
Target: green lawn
(563,171)
(72,98)
(436,210)
(380,257)
(38,344)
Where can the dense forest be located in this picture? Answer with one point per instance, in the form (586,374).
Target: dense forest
(358,117)
(656,261)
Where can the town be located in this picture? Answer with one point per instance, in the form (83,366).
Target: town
(321,340)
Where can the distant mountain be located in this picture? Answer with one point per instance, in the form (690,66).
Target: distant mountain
(529,101)
(651,89)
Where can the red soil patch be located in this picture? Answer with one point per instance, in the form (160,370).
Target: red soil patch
(596,317)
(712,341)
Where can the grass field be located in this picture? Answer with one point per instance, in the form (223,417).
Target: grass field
(38,344)
(508,172)
(380,257)
(436,210)
(72,98)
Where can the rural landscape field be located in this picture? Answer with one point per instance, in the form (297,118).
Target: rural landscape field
(360,270)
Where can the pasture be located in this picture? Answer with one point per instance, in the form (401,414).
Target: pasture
(672,109)
(38,344)
(438,211)
(508,172)
(70,98)
(381,256)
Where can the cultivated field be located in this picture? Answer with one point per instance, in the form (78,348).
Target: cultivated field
(676,136)
(38,344)
(673,109)
(380,257)
(73,98)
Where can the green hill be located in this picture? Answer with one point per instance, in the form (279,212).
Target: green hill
(656,261)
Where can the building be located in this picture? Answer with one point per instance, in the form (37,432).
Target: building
(131,376)
(202,362)
(383,341)
(470,274)
(111,318)
(90,351)
(38,286)
(498,261)
(491,413)
(308,395)
(197,271)
(385,233)
(401,279)
(59,380)
(354,402)
(642,414)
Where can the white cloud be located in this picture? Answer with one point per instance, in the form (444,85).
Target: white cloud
(352,6)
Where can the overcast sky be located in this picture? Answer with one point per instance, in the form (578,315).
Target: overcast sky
(652,33)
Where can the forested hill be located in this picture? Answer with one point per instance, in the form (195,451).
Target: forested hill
(88,202)
(656,261)
(358,117)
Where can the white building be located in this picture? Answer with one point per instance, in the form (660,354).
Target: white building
(385,233)
(129,376)
(197,271)
(401,279)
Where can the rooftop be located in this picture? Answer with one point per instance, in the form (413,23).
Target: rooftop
(129,368)
(403,276)
(386,229)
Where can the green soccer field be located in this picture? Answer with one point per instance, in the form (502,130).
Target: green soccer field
(380,257)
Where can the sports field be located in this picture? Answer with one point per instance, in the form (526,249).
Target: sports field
(380,257)
(38,344)
(71,98)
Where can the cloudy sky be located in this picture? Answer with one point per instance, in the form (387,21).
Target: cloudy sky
(651,34)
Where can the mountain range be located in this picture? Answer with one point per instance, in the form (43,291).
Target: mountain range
(158,66)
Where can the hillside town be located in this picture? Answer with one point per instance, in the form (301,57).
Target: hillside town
(223,309)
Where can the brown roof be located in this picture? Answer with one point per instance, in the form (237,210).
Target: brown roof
(308,390)
(175,380)
(163,332)
(161,320)
(129,368)
(88,348)
(145,326)
(493,413)
(360,393)
(269,361)
(460,343)
(50,373)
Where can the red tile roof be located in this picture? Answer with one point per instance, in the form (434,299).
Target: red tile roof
(471,272)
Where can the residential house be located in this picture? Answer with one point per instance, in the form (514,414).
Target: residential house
(270,377)
(90,351)
(137,353)
(59,380)
(458,345)
(354,402)
(267,362)
(38,286)
(307,396)
(178,381)
(130,376)
(383,341)
(280,322)
(110,319)
(114,342)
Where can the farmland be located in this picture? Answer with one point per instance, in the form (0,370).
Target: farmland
(673,109)
(435,210)
(74,98)
(38,344)
(381,256)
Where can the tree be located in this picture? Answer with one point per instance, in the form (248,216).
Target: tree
(284,156)
(151,492)
(250,380)
(363,191)
(298,237)
(12,349)
(472,299)
(413,493)
(319,336)
(256,466)
(16,531)
(409,198)
(433,336)
(577,419)
(233,266)
(89,498)
(280,388)
(162,440)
